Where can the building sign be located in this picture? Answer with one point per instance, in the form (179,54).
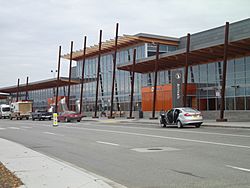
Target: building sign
(177,88)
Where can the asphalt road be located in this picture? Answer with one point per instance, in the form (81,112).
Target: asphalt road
(139,156)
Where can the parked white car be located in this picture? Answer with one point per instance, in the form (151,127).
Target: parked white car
(181,117)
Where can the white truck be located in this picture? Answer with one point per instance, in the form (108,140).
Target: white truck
(20,110)
(4,111)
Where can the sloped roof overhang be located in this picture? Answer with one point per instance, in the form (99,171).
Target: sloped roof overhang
(44,84)
(203,54)
(123,42)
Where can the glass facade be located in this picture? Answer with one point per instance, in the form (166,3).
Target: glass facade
(206,77)
(122,81)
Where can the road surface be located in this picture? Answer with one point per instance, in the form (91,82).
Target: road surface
(142,155)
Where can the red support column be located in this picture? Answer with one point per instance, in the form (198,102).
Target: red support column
(224,73)
(114,70)
(57,82)
(17,93)
(27,83)
(83,66)
(186,71)
(132,86)
(155,81)
(98,74)
(70,67)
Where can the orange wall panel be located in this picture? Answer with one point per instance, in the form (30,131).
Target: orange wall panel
(163,97)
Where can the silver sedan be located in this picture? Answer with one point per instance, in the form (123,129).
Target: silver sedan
(181,117)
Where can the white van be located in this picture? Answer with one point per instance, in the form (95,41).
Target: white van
(4,111)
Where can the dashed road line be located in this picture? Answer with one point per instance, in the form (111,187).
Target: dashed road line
(2,128)
(25,127)
(107,143)
(239,168)
(53,133)
(49,133)
(16,128)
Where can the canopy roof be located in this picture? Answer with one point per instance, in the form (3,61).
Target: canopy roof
(123,42)
(45,84)
(4,95)
(176,59)
(206,47)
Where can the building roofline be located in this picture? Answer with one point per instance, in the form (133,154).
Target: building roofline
(161,37)
(123,42)
(206,48)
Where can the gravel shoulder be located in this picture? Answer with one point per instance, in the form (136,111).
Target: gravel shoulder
(8,179)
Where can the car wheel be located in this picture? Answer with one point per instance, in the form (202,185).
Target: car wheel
(78,120)
(197,125)
(27,118)
(50,118)
(179,125)
(162,124)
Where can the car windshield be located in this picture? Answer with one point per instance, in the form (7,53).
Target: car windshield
(6,109)
(190,110)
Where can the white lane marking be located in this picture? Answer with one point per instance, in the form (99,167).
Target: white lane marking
(165,137)
(182,131)
(239,168)
(13,128)
(2,128)
(49,133)
(25,127)
(53,133)
(108,143)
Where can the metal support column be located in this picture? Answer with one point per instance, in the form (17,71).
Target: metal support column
(27,83)
(57,82)
(114,70)
(83,66)
(224,74)
(186,71)
(70,67)
(17,93)
(98,74)
(132,86)
(155,81)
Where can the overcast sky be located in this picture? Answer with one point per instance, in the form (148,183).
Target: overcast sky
(32,30)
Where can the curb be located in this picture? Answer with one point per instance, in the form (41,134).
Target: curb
(155,123)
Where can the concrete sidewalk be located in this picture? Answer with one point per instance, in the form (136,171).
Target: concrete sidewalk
(145,121)
(38,170)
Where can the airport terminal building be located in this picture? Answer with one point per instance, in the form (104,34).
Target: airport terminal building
(204,81)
